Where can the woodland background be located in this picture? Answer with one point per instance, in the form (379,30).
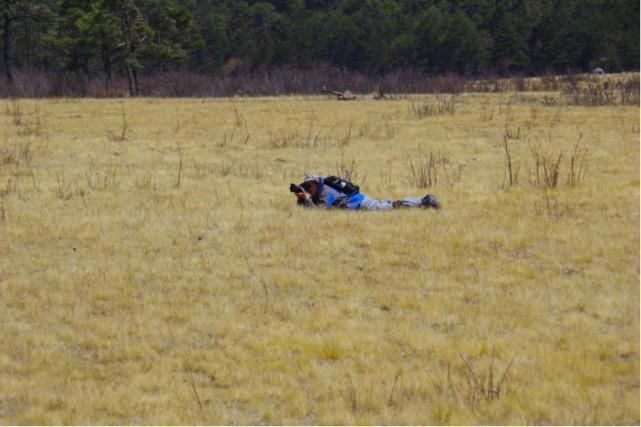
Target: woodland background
(227,47)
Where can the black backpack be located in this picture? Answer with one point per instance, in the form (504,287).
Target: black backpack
(342,185)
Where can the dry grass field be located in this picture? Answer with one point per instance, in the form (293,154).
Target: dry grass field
(155,269)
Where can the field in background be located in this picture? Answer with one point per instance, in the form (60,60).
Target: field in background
(154,268)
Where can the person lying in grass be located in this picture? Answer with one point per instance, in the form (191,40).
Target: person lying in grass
(334,192)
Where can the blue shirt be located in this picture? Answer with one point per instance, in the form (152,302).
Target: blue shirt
(327,197)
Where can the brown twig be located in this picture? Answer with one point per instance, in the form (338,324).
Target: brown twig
(195,390)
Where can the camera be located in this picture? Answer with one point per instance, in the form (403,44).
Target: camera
(294,188)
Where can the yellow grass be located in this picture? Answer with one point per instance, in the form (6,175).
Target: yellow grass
(154,268)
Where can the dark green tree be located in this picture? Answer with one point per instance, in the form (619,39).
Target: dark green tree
(130,34)
(13,12)
(450,42)
(91,34)
(379,22)
(511,34)
(213,18)
(175,34)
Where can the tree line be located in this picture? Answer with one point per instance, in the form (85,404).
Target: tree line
(130,38)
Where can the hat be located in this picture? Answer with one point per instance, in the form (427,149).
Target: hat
(313,178)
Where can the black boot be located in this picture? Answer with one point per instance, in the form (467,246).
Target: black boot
(429,201)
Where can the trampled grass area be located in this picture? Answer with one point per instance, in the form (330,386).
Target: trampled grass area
(154,268)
